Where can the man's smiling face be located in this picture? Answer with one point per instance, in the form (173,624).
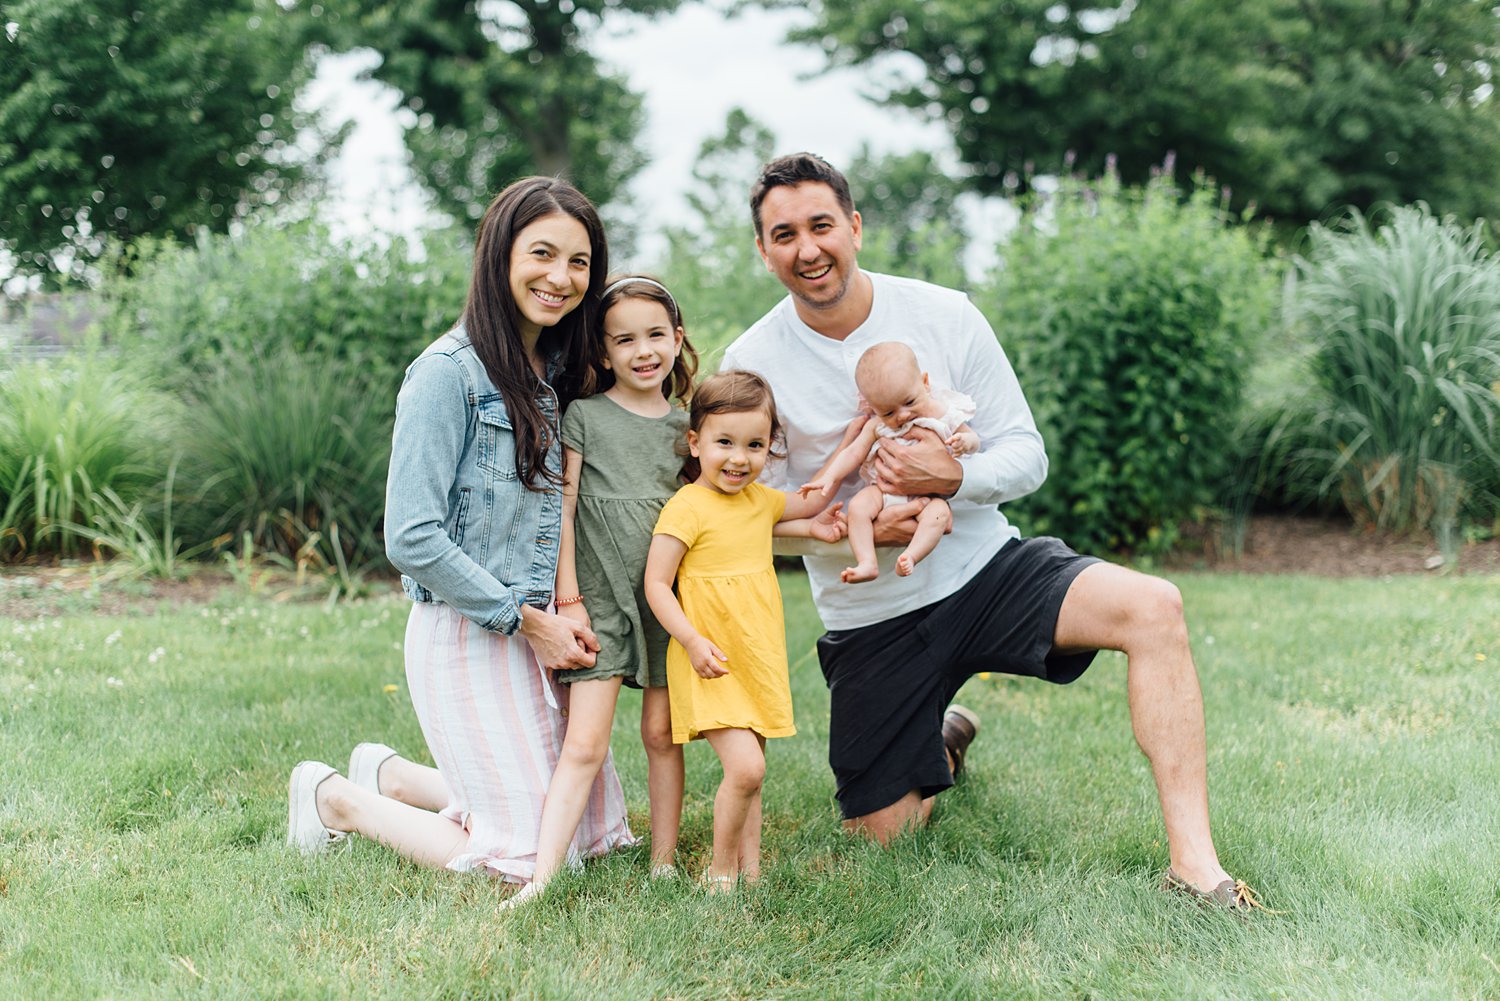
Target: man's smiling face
(809,244)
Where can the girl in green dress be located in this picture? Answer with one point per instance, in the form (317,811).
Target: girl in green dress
(621,464)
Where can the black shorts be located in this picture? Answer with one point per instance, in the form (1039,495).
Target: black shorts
(890,683)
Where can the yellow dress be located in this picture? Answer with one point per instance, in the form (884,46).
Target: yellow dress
(727,587)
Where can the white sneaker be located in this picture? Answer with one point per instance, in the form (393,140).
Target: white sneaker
(304,828)
(522,897)
(364,765)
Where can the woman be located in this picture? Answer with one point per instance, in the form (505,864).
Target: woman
(473,509)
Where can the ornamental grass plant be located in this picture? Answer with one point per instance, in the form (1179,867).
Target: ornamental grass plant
(73,432)
(1404,417)
(287,453)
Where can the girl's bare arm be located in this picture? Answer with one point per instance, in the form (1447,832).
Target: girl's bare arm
(806,518)
(567,563)
(662,561)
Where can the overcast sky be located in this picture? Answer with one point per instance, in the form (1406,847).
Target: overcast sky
(691,67)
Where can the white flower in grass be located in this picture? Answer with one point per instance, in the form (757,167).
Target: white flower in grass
(113,638)
(156,655)
(114,682)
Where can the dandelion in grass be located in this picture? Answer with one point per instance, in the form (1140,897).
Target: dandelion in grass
(391,689)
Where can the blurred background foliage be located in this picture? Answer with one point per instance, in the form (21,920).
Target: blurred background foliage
(1233,277)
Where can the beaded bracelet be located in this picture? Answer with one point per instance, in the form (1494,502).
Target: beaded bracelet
(568,601)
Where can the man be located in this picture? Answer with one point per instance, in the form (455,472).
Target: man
(898,648)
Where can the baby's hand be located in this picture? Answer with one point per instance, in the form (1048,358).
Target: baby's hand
(827,525)
(707,659)
(822,484)
(963,443)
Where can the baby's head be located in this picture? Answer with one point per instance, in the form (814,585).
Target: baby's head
(892,383)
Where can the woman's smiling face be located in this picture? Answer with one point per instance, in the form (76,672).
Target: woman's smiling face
(549,270)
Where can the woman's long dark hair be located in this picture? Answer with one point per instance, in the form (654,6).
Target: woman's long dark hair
(493,320)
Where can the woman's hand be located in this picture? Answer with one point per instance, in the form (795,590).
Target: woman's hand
(708,660)
(560,644)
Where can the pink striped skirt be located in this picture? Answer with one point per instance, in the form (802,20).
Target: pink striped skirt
(494,723)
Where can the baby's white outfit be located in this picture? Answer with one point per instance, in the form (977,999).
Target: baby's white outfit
(958,409)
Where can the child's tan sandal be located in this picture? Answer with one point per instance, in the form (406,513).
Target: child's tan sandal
(724,883)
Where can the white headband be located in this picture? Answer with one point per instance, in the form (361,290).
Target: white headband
(632,280)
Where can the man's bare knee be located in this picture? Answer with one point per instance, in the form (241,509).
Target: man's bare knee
(888,823)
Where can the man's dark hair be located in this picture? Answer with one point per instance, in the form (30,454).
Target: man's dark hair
(795,169)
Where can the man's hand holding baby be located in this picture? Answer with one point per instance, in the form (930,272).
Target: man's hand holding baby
(923,469)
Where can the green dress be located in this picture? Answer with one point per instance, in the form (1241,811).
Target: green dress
(630,467)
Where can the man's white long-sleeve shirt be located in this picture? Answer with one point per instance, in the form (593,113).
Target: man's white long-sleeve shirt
(816,397)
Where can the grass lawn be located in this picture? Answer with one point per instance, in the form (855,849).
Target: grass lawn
(1354,778)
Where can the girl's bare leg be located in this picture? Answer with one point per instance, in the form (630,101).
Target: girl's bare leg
(420,835)
(664,775)
(413,784)
(863,508)
(750,840)
(932,523)
(591,710)
(744,764)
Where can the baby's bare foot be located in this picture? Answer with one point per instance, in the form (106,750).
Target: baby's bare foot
(905,565)
(859,574)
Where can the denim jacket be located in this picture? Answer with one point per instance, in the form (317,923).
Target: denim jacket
(460,525)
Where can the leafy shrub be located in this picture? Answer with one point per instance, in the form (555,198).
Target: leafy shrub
(1404,429)
(1129,314)
(290,451)
(291,288)
(73,431)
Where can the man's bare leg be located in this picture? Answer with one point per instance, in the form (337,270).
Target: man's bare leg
(1109,607)
(907,813)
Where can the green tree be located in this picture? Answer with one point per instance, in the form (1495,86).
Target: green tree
(1298,106)
(504,89)
(120,118)
(712,265)
(912,222)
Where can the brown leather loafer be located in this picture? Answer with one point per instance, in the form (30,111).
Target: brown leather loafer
(1231,895)
(960,724)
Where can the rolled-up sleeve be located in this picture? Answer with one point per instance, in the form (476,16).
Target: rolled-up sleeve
(432,417)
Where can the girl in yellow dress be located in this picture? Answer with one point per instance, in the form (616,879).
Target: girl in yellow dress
(726,665)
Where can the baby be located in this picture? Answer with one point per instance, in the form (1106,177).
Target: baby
(897,393)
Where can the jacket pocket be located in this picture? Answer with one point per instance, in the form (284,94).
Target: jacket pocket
(461,516)
(496,453)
